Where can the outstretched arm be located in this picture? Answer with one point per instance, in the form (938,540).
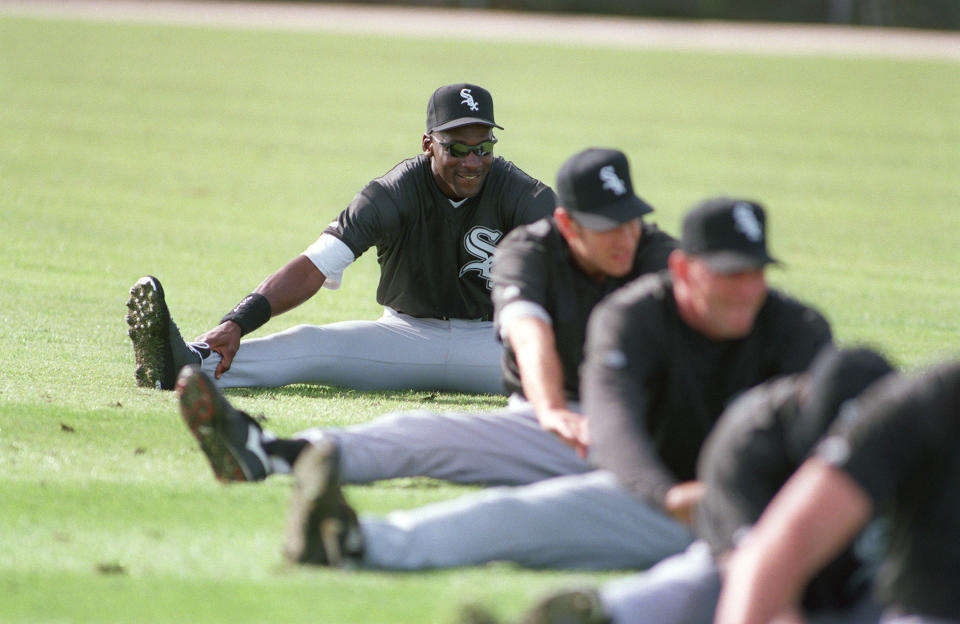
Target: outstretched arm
(541,375)
(815,515)
(284,290)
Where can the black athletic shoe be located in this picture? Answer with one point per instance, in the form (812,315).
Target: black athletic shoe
(158,348)
(231,440)
(563,607)
(322,529)
(568,607)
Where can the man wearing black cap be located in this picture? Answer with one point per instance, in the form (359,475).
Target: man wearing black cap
(547,276)
(756,445)
(435,220)
(664,356)
(668,353)
(895,456)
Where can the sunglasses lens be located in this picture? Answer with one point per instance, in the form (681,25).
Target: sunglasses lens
(460,150)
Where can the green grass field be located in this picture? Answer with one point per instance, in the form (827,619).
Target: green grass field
(210,157)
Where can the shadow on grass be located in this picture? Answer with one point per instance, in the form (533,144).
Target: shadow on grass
(310,391)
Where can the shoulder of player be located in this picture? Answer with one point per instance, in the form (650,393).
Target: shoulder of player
(410,171)
(781,308)
(542,232)
(506,177)
(654,249)
(651,289)
(637,304)
(534,246)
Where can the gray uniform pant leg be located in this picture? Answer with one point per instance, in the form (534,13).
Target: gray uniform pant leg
(506,447)
(681,589)
(395,352)
(582,521)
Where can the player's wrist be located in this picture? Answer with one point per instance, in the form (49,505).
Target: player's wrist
(252,312)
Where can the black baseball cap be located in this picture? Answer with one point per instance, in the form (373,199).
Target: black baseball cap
(835,377)
(594,186)
(452,106)
(730,235)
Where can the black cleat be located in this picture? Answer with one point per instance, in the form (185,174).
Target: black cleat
(157,345)
(568,607)
(231,440)
(322,528)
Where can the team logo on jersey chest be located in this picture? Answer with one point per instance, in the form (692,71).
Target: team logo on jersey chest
(481,242)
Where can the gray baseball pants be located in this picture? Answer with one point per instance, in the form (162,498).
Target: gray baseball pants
(684,589)
(395,352)
(505,447)
(583,521)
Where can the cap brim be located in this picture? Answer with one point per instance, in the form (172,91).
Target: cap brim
(735,261)
(613,215)
(465,121)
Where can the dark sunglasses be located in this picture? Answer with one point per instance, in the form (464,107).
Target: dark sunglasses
(460,150)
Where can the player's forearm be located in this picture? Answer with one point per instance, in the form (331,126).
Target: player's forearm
(811,519)
(291,285)
(615,405)
(541,373)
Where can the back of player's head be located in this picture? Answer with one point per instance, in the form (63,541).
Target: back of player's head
(835,377)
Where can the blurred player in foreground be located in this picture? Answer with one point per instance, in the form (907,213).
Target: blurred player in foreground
(898,453)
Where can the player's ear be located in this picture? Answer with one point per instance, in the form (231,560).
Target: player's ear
(426,144)
(679,264)
(564,222)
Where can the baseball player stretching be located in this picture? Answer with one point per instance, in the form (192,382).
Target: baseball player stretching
(435,220)
(548,276)
(758,442)
(896,454)
(664,355)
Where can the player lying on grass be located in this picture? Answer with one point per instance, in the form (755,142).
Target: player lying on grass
(896,455)
(756,445)
(547,276)
(664,356)
(435,220)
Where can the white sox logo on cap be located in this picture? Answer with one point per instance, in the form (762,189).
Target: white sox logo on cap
(468,99)
(745,222)
(611,181)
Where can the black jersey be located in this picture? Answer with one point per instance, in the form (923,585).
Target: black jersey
(435,258)
(534,264)
(902,445)
(760,440)
(653,387)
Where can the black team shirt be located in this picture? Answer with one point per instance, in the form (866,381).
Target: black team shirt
(435,258)
(533,264)
(902,446)
(653,387)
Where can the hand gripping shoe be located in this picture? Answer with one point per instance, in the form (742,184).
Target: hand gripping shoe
(158,348)
(322,528)
(231,440)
